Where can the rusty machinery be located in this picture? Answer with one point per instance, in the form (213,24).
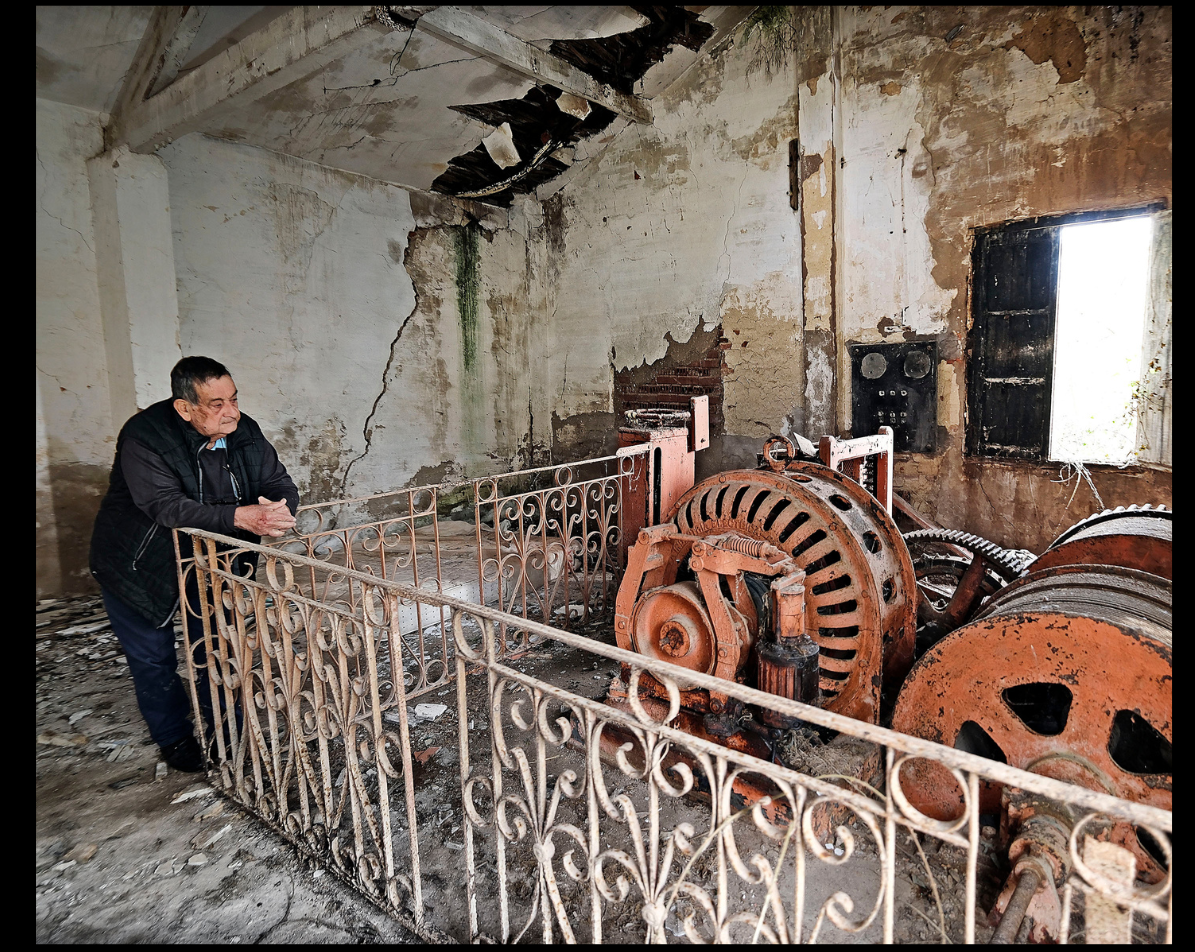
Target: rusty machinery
(1066,672)
(793,578)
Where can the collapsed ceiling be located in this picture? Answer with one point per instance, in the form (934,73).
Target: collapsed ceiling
(477,102)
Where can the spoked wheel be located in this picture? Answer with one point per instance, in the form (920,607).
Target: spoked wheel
(1067,673)
(956,574)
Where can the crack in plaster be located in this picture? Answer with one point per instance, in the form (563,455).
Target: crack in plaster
(42,205)
(726,236)
(366,430)
(378,83)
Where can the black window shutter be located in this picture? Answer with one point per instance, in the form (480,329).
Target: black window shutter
(1012,341)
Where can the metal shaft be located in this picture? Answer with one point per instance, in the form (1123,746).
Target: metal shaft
(1027,882)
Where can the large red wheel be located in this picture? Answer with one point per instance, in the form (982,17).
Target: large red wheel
(1067,672)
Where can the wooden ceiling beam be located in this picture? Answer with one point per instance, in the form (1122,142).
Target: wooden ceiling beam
(463,29)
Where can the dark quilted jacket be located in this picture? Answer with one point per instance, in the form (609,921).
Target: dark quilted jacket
(132,554)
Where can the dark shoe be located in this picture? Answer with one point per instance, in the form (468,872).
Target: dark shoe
(183,755)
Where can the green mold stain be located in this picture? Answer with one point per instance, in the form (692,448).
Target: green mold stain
(467,244)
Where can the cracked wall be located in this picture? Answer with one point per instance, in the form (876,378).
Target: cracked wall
(75,439)
(905,142)
(377,334)
(339,302)
(1023,111)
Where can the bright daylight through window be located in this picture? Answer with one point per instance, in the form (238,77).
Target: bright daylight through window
(1102,286)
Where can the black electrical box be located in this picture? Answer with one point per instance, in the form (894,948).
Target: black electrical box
(896,385)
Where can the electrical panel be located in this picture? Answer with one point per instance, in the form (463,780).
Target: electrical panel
(896,385)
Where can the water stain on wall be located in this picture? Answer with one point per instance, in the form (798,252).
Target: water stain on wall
(299,216)
(466,240)
(584,435)
(76,489)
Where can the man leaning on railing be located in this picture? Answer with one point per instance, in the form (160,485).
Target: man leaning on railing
(194,460)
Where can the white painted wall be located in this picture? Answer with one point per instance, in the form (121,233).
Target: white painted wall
(70,340)
(286,274)
(293,275)
(130,202)
(76,438)
(682,224)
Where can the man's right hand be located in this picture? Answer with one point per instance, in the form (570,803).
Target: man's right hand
(265,519)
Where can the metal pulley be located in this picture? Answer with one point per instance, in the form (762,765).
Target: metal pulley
(1067,672)
(1135,537)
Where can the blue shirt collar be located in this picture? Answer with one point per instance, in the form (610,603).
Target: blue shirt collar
(219,445)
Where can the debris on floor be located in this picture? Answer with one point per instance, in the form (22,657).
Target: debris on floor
(118,858)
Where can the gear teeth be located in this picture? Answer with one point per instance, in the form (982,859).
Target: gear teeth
(1103,515)
(1010,564)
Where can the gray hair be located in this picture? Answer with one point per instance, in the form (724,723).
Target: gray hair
(189,372)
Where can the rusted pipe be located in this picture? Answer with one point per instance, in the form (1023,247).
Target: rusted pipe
(1027,883)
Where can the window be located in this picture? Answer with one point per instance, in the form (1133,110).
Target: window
(1069,345)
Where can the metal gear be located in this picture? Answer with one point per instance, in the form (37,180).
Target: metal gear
(1146,511)
(1135,537)
(951,586)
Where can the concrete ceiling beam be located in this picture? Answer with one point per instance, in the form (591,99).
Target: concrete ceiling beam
(296,44)
(160,33)
(479,36)
(177,49)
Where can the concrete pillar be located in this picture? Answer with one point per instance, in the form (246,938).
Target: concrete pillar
(817,102)
(49,569)
(135,263)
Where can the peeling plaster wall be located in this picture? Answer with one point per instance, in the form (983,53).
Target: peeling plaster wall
(681,225)
(1025,111)
(907,142)
(75,439)
(334,300)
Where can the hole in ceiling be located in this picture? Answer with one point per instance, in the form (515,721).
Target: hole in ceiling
(539,127)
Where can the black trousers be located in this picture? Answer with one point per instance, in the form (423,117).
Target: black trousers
(153,662)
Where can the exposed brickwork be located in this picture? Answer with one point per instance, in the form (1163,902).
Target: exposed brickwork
(687,370)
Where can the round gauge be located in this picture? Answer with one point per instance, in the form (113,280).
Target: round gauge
(874,365)
(917,364)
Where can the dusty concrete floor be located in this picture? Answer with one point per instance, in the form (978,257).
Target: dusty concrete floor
(123,856)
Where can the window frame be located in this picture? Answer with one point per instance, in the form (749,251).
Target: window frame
(986,364)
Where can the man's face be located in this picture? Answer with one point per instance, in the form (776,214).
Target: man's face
(216,414)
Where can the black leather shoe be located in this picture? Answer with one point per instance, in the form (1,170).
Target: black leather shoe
(183,755)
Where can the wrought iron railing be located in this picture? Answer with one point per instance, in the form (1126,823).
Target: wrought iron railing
(557,533)
(513,825)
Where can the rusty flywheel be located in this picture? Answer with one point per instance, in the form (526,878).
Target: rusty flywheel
(860,587)
(1066,672)
(1136,537)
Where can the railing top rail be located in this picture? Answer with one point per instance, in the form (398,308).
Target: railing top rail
(461,483)
(614,457)
(912,746)
(392,492)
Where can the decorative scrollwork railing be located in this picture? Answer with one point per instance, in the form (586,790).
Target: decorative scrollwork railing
(557,841)
(555,550)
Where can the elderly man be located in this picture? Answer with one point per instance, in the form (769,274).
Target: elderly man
(196,461)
